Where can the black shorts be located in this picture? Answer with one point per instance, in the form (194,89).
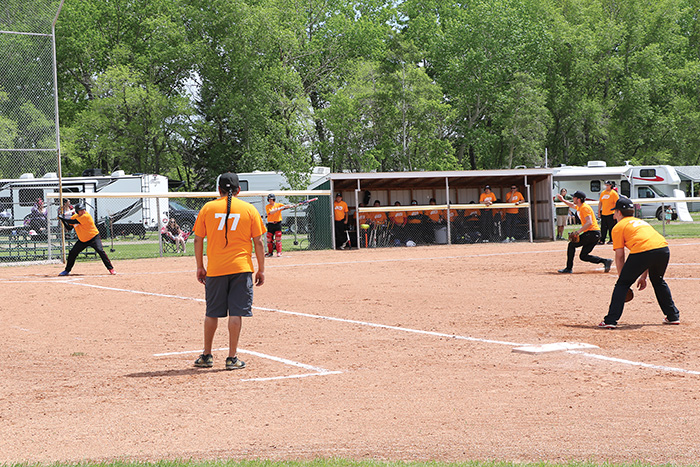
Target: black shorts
(230,295)
(273,227)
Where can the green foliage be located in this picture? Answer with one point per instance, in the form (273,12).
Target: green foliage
(366,85)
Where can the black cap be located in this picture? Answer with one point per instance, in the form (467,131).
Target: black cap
(623,204)
(338,194)
(487,186)
(609,182)
(580,195)
(228,181)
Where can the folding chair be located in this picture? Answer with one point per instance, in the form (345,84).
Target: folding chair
(169,244)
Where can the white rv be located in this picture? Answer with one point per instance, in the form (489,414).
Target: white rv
(635,182)
(127,215)
(275,181)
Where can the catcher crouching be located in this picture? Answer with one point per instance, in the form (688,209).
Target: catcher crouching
(586,237)
(649,256)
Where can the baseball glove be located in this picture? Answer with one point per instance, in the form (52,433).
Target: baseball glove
(629,296)
(573,237)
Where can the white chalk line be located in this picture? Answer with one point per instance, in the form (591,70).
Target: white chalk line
(317,371)
(633,363)
(396,328)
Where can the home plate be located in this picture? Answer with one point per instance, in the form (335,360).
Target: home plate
(555,347)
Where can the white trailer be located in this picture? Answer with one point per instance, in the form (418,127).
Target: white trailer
(275,181)
(635,182)
(126,215)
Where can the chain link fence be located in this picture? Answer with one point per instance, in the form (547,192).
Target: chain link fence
(439,225)
(28,129)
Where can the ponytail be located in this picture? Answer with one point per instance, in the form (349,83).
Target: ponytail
(228,211)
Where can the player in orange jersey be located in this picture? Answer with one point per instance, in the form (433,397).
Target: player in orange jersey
(515,197)
(488,197)
(649,255)
(589,234)
(228,224)
(88,235)
(340,216)
(274,225)
(606,206)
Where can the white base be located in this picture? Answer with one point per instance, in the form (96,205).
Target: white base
(555,347)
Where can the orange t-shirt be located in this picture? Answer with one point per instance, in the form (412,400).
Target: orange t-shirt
(607,201)
(435,215)
(275,216)
(378,218)
(584,211)
(244,223)
(86,230)
(363,217)
(415,220)
(452,214)
(484,197)
(398,217)
(514,198)
(636,235)
(339,210)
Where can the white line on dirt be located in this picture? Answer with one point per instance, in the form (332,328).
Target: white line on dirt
(318,371)
(397,328)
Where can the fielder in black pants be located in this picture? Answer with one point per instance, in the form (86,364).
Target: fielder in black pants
(587,241)
(606,225)
(649,255)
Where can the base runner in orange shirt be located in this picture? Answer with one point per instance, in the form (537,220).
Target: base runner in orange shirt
(228,224)
(88,235)
(649,255)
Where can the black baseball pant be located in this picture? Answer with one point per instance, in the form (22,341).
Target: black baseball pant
(606,225)
(587,241)
(656,261)
(96,243)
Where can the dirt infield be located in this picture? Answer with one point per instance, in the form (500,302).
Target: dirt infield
(400,353)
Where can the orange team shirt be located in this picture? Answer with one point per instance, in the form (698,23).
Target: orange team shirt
(244,223)
(339,210)
(414,213)
(513,198)
(585,210)
(487,197)
(363,217)
(453,213)
(607,201)
(398,217)
(378,218)
(636,235)
(275,216)
(86,230)
(435,215)
(470,212)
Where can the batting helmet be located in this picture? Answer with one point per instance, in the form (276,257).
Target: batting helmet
(271,196)
(80,206)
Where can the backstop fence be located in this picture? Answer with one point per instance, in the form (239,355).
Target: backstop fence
(29,136)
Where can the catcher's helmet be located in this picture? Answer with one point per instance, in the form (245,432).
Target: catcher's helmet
(271,196)
(80,206)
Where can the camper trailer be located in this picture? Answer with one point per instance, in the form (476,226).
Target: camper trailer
(114,216)
(635,182)
(276,181)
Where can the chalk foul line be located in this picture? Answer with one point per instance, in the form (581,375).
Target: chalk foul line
(402,329)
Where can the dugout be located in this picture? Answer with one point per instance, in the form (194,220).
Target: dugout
(451,190)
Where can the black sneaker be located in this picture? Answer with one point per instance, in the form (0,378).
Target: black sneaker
(566,271)
(204,361)
(608,264)
(268,255)
(233,363)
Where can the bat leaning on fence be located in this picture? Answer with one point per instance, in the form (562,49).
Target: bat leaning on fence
(289,206)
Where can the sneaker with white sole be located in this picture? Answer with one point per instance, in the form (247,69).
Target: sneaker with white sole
(674,321)
(234,363)
(605,325)
(204,361)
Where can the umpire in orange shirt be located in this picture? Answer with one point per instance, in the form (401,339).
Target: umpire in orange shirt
(228,224)
(649,255)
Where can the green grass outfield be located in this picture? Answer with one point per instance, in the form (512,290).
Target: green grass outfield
(336,463)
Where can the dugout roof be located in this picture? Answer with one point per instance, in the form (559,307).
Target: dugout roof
(456,179)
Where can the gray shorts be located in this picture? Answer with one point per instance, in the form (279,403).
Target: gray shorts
(230,295)
(561,219)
